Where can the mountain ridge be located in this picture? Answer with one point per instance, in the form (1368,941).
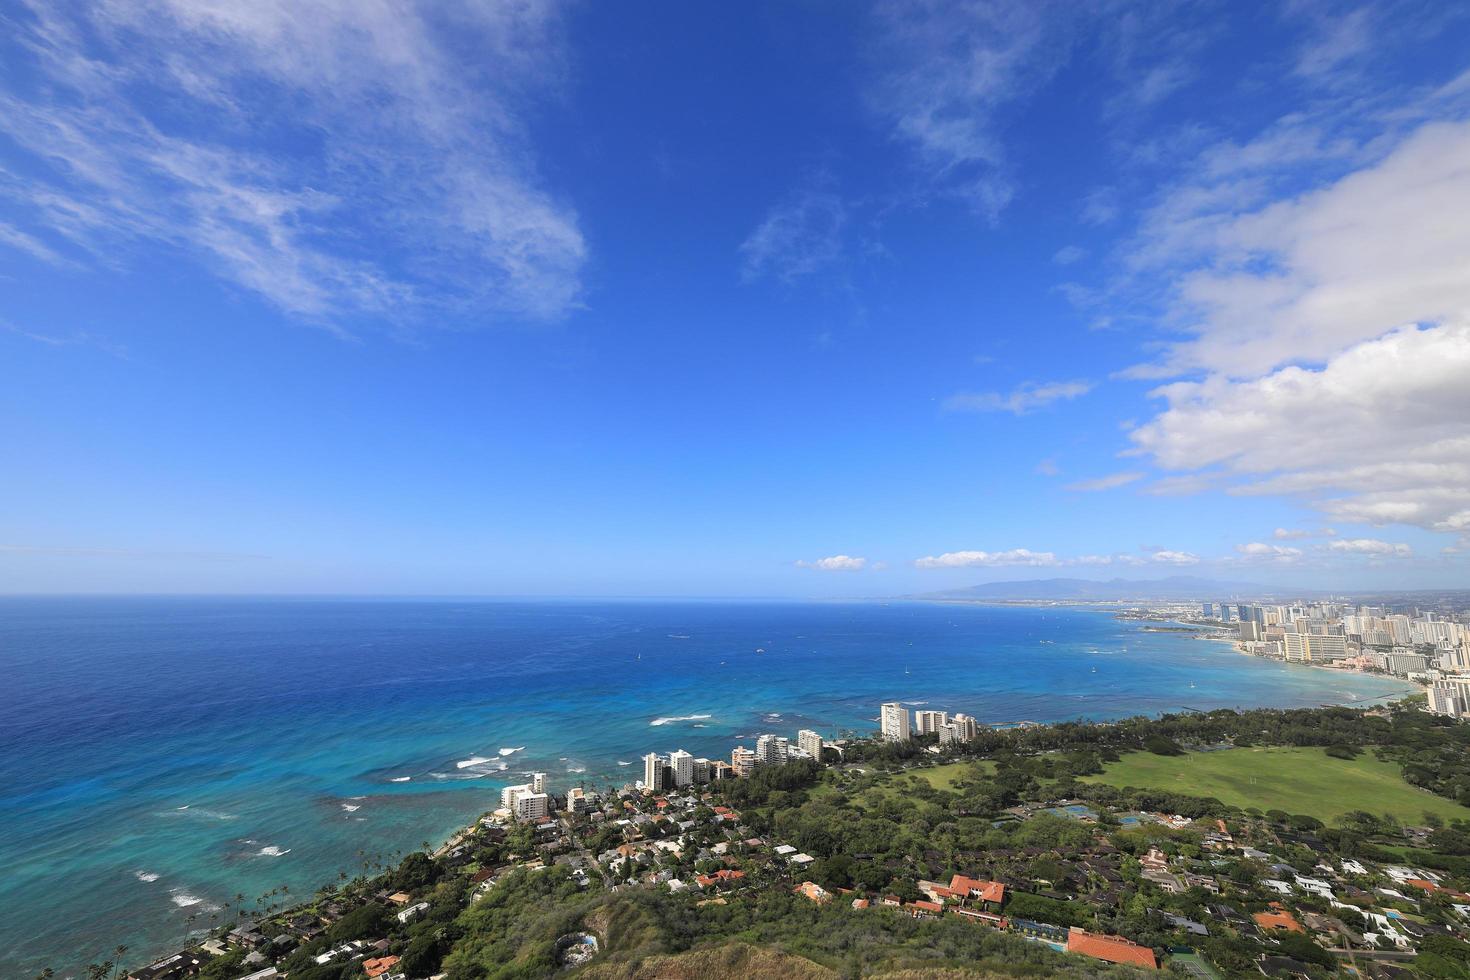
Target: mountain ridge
(1169,587)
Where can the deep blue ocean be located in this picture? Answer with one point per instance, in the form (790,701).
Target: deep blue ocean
(160,756)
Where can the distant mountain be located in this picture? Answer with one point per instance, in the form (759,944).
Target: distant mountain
(1174,587)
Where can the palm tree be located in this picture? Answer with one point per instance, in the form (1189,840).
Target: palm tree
(117,954)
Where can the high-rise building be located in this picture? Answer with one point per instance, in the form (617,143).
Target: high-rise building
(742,760)
(895,721)
(682,765)
(538,782)
(653,772)
(772,750)
(810,743)
(525,802)
(1450,695)
(968,728)
(1207,609)
(928,722)
(702,771)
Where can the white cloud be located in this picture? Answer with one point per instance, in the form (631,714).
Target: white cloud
(1100,206)
(1109,482)
(1069,254)
(1047,559)
(1340,37)
(798,237)
(835,563)
(1048,467)
(1310,276)
(988,559)
(1283,534)
(949,68)
(1174,557)
(273,141)
(1380,434)
(1024,398)
(1260,551)
(1370,546)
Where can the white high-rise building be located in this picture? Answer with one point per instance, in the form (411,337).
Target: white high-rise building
(532,806)
(928,722)
(538,782)
(682,764)
(895,720)
(968,728)
(653,772)
(742,760)
(810,743)
(772,750)
(1450,695)
(526,802)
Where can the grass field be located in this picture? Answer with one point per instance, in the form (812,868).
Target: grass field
(943,777)
(1297,780)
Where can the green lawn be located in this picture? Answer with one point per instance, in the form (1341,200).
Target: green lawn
(943,777)
(1305,781)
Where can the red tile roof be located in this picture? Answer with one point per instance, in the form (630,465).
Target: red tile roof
(986,891)
(380,966)
(1114,949)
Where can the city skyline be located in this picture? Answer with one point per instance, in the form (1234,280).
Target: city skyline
(854,301)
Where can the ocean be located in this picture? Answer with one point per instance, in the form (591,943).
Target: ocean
(168,760)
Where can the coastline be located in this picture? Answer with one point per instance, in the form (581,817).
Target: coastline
(822,666)
(1419,686)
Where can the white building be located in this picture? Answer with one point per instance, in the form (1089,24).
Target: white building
(968,728)
(527,801)
(1450,695)
(772,750)
(929,722)
(653,772)
(682,764)
(810,743)
(895,721)
(742,760)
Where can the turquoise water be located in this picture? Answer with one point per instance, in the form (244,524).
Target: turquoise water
(162,756)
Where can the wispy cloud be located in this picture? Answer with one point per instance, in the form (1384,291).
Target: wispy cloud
(1284,534)
(796,238)
(1026,557)
(270,141)
(1371,546)
(835,563)
(1024,398)
(987,559)
(1110,482)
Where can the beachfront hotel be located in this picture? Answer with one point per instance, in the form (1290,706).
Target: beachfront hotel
(895,721)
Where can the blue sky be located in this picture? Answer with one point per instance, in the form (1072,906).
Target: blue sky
(776,299)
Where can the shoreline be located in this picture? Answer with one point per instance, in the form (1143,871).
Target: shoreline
(1419,686)
(453,818)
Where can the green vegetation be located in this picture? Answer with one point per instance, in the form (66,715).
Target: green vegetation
(1040,810)
(1297,780)
(948,775)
